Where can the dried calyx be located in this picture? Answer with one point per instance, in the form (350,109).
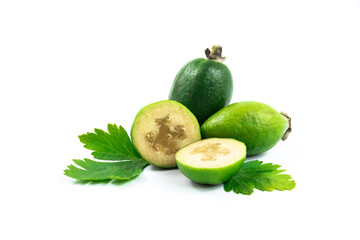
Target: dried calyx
(288,130)
(215,53)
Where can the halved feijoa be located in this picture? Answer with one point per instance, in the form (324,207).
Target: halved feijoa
(161,129)
(211,161)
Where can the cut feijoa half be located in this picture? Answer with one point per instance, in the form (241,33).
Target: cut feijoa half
(161,129)
(211,161)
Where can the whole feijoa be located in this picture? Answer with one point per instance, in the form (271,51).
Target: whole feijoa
(203,85)
(256,124)
(211,161)
(161,129)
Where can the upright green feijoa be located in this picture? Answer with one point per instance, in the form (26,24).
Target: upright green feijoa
(256,124)
(161,129)
(203,85)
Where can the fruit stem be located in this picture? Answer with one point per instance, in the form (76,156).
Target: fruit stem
(288,130)
(215,53)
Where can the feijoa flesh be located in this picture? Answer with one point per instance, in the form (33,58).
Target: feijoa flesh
(211,161)
(256,124)
(161,129)
(203,85)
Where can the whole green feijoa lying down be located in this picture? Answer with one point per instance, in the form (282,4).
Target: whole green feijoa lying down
(256,124)
(161,129)
(203,85)
(211,161)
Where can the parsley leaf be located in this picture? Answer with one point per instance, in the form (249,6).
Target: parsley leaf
(94,170)
(264,177)
(115,146)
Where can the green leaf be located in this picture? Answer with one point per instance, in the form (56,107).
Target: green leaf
(93,170)
(264,177)
(115,145)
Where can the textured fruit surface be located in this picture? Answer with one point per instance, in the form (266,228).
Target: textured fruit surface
(256,124)
(161,129)
(204,86)
(211,161)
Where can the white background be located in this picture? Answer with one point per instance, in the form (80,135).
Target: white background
(67,67)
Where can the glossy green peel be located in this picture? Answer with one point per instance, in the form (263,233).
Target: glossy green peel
(256,124)
(203,85)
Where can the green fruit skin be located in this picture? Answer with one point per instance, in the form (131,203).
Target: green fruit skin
(204,86)
(256,124)
(144,109)
(211,176)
